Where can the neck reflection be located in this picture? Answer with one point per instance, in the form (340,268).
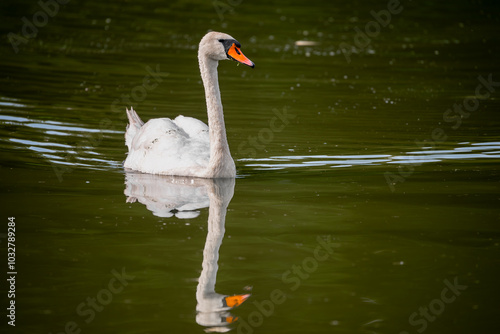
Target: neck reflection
(166,196)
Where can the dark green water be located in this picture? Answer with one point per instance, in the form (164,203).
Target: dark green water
(367,197)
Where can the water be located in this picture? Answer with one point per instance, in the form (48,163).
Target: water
(368,183)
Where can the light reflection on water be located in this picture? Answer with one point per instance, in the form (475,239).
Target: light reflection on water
(56,153)
(475,151)
(49,126)
(55,142)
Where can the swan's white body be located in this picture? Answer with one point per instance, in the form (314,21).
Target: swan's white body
(186,146)
(171,147)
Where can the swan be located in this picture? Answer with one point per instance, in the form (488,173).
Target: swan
(186,146)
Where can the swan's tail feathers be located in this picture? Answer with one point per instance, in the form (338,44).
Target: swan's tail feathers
(133,118)
(135,123)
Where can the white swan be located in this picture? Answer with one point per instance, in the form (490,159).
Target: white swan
(186,146)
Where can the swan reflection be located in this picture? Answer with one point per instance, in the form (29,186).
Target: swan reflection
(167,196)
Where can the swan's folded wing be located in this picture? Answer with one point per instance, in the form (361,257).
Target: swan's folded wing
(161,146)
(155,130)
(195,128)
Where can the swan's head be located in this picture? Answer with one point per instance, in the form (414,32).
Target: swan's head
(220,46)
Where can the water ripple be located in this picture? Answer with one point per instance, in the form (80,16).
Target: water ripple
(475,151)
(47,140)
(50,125)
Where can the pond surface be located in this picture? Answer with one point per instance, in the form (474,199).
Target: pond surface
(367,145)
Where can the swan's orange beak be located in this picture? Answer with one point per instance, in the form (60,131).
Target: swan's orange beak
(231,319)
(237,300)
(235,53)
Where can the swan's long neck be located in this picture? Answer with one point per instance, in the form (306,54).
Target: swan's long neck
(219,148)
